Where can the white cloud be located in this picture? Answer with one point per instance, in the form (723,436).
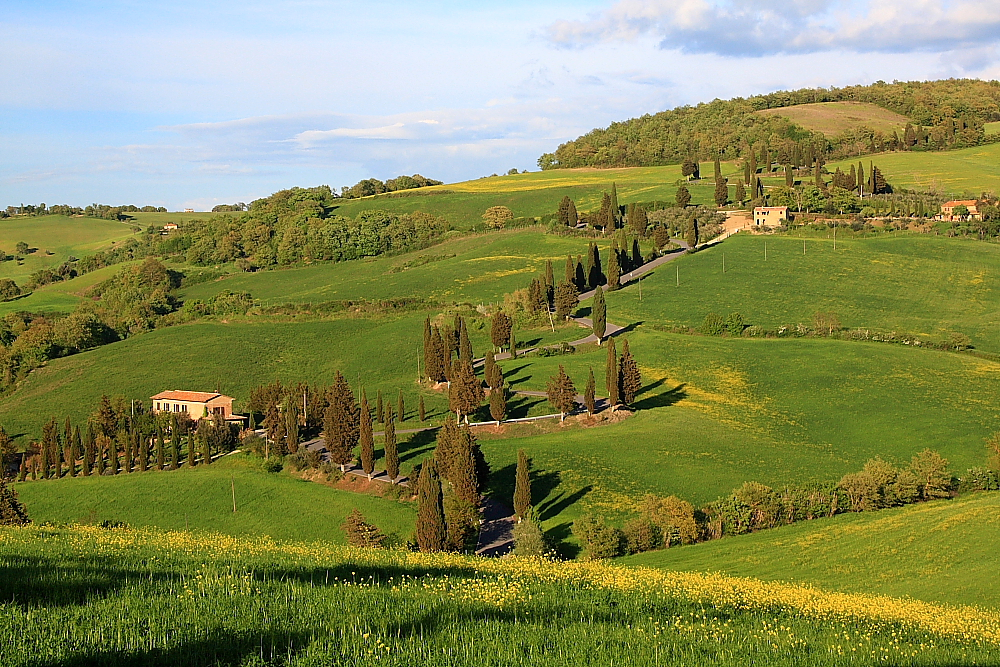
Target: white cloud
(765,27)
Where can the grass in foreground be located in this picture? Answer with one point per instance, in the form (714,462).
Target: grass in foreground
(938,552)
(118,597)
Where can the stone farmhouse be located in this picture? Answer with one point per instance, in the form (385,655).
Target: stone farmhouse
(195,404)
(770,216)
(948,209)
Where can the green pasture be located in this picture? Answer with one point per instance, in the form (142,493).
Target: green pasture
(539,193)
(55,238)
(832,118)
(475,269)
(83,596)
(62,296)
(969,171)
(940,552)
(716,413)
(910,283)
(201,499)
(992,128)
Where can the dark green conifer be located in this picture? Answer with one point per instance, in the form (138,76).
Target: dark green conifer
(589,394)
(175,443)
(89,445)
(599,314)
(422,410)
(143,452)
(498,403)
(611,374)
(391,450)
(161,455)
(683,196)
(629,378)
(522,485)
(401,408)
(366,439)
(431,530)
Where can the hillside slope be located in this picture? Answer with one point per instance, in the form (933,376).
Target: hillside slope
(940,552)
(87,596)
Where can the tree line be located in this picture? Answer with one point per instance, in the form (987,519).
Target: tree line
(943,114)
(670,521)
(93,211)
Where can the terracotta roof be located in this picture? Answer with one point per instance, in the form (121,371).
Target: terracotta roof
(960,202)
(193,396)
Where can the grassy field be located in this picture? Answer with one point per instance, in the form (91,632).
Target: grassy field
(832,118)
(114,597)
(201,499)
(473,269)
(917,284)
(55,238)
(965,171)
(62,296)
(539,193)
(992,128)
(938,552)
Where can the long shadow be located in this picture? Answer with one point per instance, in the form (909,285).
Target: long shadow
(417,445)
(630,328)
(30,581)
(561,502)
(543,483)
(559,536)
(531,343)
(520,406)
(222,647)
(663,399)
(583,311)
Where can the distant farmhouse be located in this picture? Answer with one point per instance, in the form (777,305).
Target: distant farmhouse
(770,216)
(170,226)
(948,210)
(195,404)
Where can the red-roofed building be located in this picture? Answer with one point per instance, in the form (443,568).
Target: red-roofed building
(195,404)
(948,209)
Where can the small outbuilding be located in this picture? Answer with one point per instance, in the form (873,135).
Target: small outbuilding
(770,216)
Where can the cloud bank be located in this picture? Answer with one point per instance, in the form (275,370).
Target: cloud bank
(766,27)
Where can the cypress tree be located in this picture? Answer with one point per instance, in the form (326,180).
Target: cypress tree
(116,463)
(574,217)
(465,393)
(68,454)
(401,408)
(752,169)
(616,212)
(721,192)
(489,369)
(570,270)
(636,255)
(512,344)
(46,450)
(598,266)
(435,362)
(562,211)
(718,169)
(88,450)
(861,178)
(566,300)
(422,410)
(206,443)
(465,345)
(191,444)
(561,393)
(789,178)
(611,374)
(101,446)
(498,403)
(500,328)
(818,177)
(291,430)
(341,421)
(550,284)
(630,380)
(379,408)
(431,531)
(428,347)
(143,452)
(522,485)
(175,443)
(599,314)
(462,474)
(75,445)
(741,193)
(161,458)
(614,270)
(12,512)
(683,196)
(589,398)
(366,438)
(127,444)
(391,450)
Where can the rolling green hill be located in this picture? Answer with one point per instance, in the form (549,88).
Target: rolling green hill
(832,118)
(939,552)
(55,238)
(139,597)
(201,499)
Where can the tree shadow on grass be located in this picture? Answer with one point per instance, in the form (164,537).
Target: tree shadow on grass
(520,406)
(663,399)
(629,328)
(417,445)
(555,507)
(558,536)
(222,647)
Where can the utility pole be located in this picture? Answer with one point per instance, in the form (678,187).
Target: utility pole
(678,275)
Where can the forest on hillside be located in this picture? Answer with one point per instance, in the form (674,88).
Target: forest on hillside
(944,114)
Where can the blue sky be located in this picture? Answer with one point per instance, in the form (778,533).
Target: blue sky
(190,104)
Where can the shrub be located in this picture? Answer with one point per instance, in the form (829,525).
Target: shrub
(360,533)
(713,325)
(497,217)
(673,516)
(529,540)
(641,534)
(933,478)
(980,479)
(735,324)
(273,465)
(599,539)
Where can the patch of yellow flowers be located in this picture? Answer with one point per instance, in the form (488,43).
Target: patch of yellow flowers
(501,582)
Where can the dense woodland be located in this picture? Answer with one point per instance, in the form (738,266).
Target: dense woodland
(944,114)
